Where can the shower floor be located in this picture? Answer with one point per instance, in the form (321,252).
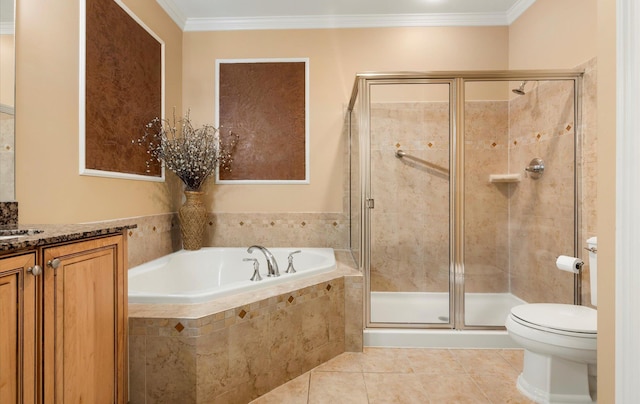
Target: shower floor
(482,309)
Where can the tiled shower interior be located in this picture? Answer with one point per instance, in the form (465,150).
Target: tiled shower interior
(513,231)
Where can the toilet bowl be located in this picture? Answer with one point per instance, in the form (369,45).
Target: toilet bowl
(559,342)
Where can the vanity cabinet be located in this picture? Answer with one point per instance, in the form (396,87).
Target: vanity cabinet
(18,331)
(79,332)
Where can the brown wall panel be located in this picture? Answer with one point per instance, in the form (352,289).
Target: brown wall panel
(264,104)
(123,88)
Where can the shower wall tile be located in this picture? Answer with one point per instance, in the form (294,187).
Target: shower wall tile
(410,222)
(486,209)
(589,190)
(542,210)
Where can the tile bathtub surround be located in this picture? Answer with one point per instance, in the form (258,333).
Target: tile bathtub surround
(239,354)
(278,230)
(159,235)
(412,375)
(231,352)
(8,214)
(155,236)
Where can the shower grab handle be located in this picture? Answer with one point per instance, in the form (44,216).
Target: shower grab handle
(403,154)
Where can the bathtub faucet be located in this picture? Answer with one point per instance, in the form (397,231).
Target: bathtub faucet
(272,265)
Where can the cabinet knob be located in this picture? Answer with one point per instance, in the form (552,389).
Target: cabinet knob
(54,263)
(35,270)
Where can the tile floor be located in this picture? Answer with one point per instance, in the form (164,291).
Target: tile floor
(405,376)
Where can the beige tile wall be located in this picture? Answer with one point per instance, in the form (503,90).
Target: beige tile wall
(159,235)
(589,189)
(410,243)
(486,204)
(542,210)
(542,215)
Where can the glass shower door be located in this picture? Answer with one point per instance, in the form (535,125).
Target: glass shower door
(409,203)
(517,222)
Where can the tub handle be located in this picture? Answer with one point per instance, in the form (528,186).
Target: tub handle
(256,269)
(290,268)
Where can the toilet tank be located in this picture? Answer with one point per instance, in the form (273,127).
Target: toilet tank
(592,245)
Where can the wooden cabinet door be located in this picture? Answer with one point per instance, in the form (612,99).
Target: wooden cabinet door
(84,322)
(18,339)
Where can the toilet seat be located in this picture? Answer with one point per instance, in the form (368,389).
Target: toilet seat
(564,319)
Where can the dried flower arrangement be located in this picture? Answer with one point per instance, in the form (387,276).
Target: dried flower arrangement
(192,154)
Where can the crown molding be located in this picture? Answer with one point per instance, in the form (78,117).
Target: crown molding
(174,12)
(517,9)
(345,21)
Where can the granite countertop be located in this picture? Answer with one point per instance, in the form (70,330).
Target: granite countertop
(30,236)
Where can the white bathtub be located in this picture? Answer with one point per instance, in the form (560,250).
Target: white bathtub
(211,272)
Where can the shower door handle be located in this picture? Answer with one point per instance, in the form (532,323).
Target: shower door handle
(370,204)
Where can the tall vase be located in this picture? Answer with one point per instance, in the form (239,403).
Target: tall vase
(193,218)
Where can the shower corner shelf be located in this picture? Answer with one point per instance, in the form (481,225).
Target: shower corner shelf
(505,178)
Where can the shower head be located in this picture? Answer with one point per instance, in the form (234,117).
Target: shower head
(520,90)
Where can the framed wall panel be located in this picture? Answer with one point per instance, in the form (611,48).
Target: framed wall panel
(121,90)
(265,103)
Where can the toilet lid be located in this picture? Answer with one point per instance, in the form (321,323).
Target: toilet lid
(562,317)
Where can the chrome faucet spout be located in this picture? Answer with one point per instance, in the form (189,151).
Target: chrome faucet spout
(272,265)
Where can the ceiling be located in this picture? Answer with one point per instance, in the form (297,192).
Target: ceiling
(216,15)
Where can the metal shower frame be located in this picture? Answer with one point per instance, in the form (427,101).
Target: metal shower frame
(456,79)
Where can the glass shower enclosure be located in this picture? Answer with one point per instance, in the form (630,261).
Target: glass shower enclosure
(463,191)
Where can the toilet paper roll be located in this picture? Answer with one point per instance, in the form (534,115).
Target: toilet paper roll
(569,264)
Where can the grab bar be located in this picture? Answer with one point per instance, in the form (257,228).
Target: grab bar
(402,154)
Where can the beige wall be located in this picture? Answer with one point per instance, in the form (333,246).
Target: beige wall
(553,34)
(48,186)
(335,57)
(606,198)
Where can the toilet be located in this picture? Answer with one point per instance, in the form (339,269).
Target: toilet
(559,342)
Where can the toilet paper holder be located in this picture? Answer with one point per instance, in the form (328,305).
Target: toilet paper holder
(577,282)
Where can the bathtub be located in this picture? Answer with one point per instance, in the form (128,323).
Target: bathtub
(212,272)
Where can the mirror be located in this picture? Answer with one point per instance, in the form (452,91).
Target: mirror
(7,97)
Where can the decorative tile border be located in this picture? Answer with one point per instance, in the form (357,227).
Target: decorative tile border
(159,235)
